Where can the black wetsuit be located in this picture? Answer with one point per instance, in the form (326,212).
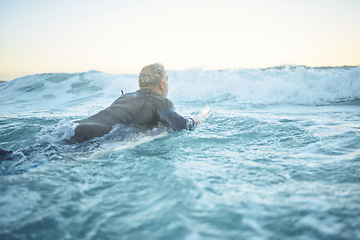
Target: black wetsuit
(145,108)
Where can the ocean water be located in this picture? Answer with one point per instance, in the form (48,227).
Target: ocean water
(279,158)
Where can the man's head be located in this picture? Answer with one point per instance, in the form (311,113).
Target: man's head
(155,77)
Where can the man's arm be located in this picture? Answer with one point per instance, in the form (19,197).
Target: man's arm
(171,118)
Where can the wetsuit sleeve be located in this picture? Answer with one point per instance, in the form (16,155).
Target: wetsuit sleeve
(171,118)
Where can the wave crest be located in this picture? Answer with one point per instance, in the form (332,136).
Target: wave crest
(295,85)
(280,85)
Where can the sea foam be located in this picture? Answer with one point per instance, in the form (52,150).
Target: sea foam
(82,92)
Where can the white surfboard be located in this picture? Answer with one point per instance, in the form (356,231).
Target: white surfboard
(136,140)
(203,114)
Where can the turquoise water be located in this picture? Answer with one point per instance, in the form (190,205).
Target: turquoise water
(278,158)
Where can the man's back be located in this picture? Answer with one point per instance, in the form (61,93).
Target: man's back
(139,108)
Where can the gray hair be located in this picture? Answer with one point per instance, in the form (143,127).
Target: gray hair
(151,75)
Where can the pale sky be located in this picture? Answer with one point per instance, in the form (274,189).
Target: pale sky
(40,36)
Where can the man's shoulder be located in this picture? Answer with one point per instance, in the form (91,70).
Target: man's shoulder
(145,94)
(156,97)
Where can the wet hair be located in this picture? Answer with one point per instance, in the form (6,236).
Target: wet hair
(151,75)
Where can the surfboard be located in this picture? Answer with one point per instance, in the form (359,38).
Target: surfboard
(139,139)
(203,114)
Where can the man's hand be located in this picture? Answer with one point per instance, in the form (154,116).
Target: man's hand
(197,121)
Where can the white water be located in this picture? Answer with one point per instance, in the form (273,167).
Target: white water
(288,85)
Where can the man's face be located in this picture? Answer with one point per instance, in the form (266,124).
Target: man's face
(166,88)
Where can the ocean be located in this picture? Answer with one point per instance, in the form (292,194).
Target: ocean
(279,158)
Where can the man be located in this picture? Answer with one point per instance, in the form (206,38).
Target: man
(144,108)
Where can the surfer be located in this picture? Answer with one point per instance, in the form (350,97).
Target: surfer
(146,107)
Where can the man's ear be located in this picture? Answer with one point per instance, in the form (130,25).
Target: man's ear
(162,85)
